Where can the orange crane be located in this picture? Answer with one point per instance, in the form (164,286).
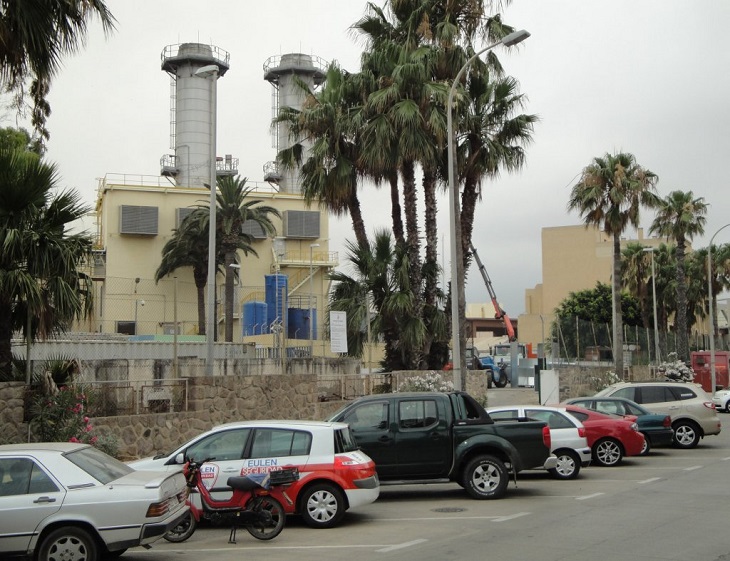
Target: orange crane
(499,313)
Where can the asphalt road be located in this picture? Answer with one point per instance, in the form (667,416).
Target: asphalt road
(670,505)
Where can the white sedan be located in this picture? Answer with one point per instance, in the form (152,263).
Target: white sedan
(567,435)
(63,500)
(721,399)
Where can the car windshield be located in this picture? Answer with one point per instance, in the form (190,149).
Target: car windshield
(344,442)
(98,465)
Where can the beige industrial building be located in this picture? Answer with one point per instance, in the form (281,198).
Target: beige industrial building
(573,258)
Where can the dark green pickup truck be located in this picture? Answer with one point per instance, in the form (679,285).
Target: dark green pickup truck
(431,437)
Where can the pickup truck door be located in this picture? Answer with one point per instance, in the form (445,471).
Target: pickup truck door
(371,425)
(423,441)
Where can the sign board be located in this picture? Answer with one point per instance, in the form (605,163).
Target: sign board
(338,332)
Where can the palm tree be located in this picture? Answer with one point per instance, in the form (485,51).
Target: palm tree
(680,217)
(610,193)
(720,274)
(40,284)
(636,276)
(380,274)
(188,247)
(35,37)
(235,207)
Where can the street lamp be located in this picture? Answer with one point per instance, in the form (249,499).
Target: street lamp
(311,293)
(713,374)
(457,283)
(211,72)
(657,356)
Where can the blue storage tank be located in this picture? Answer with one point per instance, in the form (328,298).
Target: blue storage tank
(298,326)
(254,318)
(276,295)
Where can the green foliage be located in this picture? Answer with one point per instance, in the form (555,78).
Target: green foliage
(63,418)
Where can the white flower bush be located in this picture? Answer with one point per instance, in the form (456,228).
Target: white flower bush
(602,381)
(428,382)
(674,369)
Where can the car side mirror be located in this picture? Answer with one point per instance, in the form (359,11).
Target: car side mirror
(180,458)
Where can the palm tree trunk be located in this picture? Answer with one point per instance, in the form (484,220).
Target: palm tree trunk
(358,224)
(681,323)
(396,212)
(229,260)
(6,335)
(618,338)
(413,241)
(201,278)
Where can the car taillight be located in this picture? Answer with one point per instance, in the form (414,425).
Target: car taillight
(345,460)
(582,432)
(667,421)
(546,437)
(709,405)
(156,510)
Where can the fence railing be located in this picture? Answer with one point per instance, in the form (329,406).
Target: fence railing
(127,397)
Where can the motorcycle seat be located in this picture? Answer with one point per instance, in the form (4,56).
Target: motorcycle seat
(242,483)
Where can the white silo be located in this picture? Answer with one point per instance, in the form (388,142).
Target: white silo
(282,72)
(192,103)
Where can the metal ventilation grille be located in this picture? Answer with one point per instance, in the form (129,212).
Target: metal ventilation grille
(181,214)
(253,229)
(301,224)
(138,220)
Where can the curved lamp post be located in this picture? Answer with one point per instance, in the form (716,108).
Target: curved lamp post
(457,281)
(712,313)
(211,72)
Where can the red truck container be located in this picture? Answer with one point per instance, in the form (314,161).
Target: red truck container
(702,369)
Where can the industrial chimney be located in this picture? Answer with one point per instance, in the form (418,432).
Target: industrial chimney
(191,114)
(282,72)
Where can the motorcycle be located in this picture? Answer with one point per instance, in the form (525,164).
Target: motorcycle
(253,504)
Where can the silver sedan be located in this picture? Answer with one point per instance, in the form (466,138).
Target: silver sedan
(63,500)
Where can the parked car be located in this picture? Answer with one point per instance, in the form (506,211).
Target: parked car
(567,435)
(656,427)
(610,437)
(693,413)
(435,436)
(721,399)
(64,501)
(334,474)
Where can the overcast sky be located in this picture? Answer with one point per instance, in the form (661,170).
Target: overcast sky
(647,77)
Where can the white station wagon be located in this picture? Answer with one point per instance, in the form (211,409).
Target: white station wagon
(567,435)
(70,501)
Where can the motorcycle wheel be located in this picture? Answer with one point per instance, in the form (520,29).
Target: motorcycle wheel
(183,530)
(501,381)
(271,518)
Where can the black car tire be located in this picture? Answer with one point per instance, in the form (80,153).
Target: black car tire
(485,477)
(568,465)
(184,529)
(322,505)
(68,542)
(607,452)
(727,406)
(686,434)
(647,446)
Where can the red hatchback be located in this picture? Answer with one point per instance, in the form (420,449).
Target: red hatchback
(610,437)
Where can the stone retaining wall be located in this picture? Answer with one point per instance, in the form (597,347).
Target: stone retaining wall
(217,400)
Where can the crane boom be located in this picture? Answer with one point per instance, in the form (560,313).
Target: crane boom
(499,313)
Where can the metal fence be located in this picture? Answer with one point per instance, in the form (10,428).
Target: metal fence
(125,397)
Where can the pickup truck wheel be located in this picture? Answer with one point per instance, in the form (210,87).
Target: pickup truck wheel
(568,465)
(485,477)
(607,452)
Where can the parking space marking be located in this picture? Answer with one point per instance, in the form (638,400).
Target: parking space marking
(585,497)
(511,517)
(425,518)
(650,480)
(726,459)
(693,468)
(400,546)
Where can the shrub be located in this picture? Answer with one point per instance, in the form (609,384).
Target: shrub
(428,382)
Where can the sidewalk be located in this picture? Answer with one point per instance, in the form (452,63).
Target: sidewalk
(511,396)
